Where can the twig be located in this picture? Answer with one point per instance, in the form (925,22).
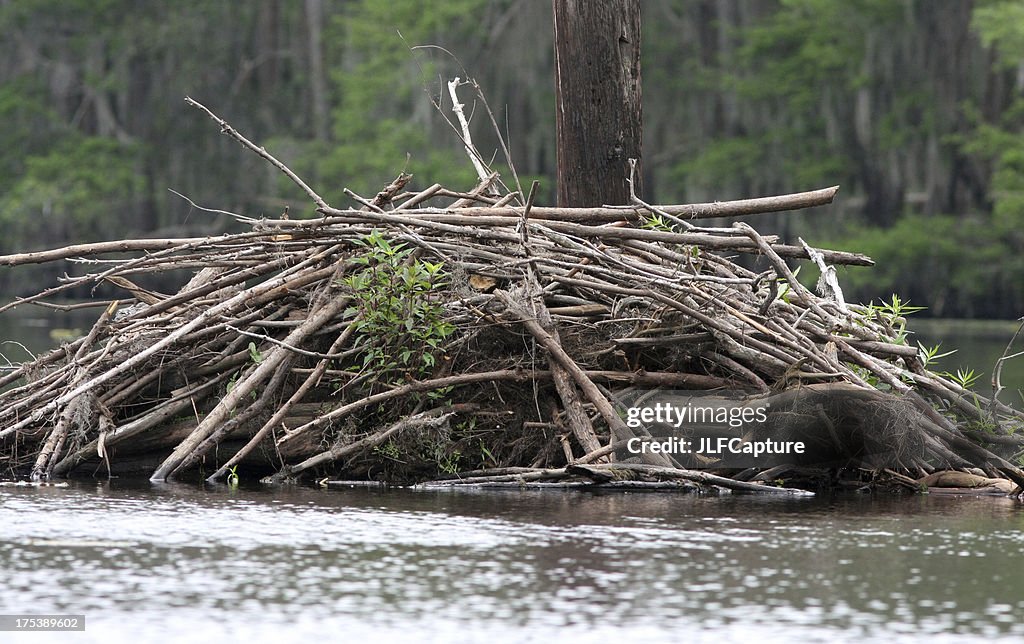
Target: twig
(467,137)
(997,370)
(233,133)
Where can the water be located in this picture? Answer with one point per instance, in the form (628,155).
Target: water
(165,563)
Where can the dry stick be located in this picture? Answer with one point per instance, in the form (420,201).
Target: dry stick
(43,256)
(600,453)
(530,475)
(965,400)
(367,204)
(269,392)
(493,471)
(154,417)
(450,224)
(617,426)
(18,398)
(191,446)
(578,420)
(688,475)
(997,385)
(43,467)
(130,387)
(730,364)
(606,214)
(71,307)
(54,355)
(241,276)
(166,246)
(467,138)
(387,194)
(405,390)
(282,412)
(202,320)
(431,418)
(828,283)
(123,269)
(943,428)
(285,345)
(783,269)
(233,133)
(420,197)
(787,343)
(473,196)
(713,324)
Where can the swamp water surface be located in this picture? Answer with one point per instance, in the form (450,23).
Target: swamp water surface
(178,563)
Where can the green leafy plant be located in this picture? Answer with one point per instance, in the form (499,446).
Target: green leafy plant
(893,315)
(930,355)
(255,353)
(963,377)
(388,450)
(656,222)
(233,477)
(447,462)
(485,454)
(785,288)
(400,325)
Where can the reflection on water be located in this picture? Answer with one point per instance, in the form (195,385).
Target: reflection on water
(159,563)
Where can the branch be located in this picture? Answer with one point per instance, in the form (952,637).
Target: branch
(467,138)
(233,133)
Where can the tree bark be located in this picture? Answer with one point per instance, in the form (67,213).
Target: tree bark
(597,96)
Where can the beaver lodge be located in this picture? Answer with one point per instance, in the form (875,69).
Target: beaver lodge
(476,338)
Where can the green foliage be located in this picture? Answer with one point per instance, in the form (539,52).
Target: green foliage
(1000,24)
(963,377)
(796,65)
(383,114)
(1000,142)
(928,259)
(656,222)
(74,191)
(388,450)
(30,127)
(400,325)
(254,354)
(892,314)
(930,355)
(233,477)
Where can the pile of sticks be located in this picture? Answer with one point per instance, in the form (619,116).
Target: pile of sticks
(515,324)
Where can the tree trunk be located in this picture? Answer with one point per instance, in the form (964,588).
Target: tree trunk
(317,78)
(597,96)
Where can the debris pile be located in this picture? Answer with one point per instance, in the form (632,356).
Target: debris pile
(437,335)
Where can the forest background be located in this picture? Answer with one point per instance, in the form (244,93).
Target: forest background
(914,107)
